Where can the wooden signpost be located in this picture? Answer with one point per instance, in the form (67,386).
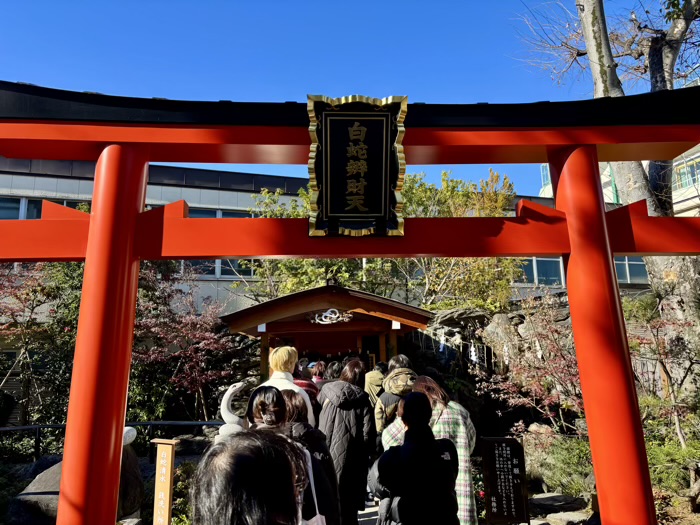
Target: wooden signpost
(163,493)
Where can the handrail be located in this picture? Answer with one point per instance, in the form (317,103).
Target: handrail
(150,424)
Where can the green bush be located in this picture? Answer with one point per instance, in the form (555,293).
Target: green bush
(668,464)
(668,461)
(567,465)
(17,447)
(181,493)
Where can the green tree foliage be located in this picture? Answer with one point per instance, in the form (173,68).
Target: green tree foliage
(54,353)
(277,277)
(668,354)
(542,371)
(431,282)
(23,297)
(182,354)
(439,283)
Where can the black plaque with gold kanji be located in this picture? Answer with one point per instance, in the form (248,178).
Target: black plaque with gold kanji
(356,165)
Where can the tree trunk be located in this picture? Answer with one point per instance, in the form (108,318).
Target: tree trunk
(606,82)
(202,399)
(658,55)
(660,178)
(633,185)
(679,275)
(674,404)
(25,372)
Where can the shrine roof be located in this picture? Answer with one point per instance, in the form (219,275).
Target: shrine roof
(291,312)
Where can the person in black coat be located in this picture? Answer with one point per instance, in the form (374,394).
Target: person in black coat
(313,440)
(422,472)
(348,423)
(267,411)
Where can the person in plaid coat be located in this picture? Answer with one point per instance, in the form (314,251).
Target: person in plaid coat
(451,421)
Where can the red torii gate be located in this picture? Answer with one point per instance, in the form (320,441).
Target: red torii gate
(125,134)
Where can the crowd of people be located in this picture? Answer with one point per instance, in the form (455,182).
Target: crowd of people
(321,441)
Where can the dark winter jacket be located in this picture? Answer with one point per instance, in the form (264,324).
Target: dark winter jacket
(388,513)
(346,420)
(315,442)
(325,481)
(397,384)
(422,473)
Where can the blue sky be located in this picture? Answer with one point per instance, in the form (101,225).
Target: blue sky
(436,52)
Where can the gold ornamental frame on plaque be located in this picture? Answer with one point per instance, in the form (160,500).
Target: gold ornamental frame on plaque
(382,214)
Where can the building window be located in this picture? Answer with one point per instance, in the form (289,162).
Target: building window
(631,270)
(9,208)
(548,271)
(20,208)
(686,174)
(543,271)
(203,267)
(33,209)
(66,203)
(545,175)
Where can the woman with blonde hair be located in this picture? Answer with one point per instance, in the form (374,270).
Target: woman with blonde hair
(283,361)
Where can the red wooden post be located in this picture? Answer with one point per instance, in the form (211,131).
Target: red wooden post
(97,406)
(610,400)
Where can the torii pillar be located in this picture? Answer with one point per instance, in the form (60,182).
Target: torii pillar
(100,379)
(605,369)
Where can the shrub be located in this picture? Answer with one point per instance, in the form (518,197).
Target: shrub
(568,465)
(668,461)
(562,462)
(181,493)
(668,464)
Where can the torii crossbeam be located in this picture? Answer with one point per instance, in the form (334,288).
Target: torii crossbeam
(125,134)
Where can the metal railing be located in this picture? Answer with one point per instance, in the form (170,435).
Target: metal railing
(37,430)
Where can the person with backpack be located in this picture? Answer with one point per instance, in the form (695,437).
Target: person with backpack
(419,476)
(449,420)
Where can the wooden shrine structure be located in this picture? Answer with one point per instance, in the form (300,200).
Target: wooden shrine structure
(329,321)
